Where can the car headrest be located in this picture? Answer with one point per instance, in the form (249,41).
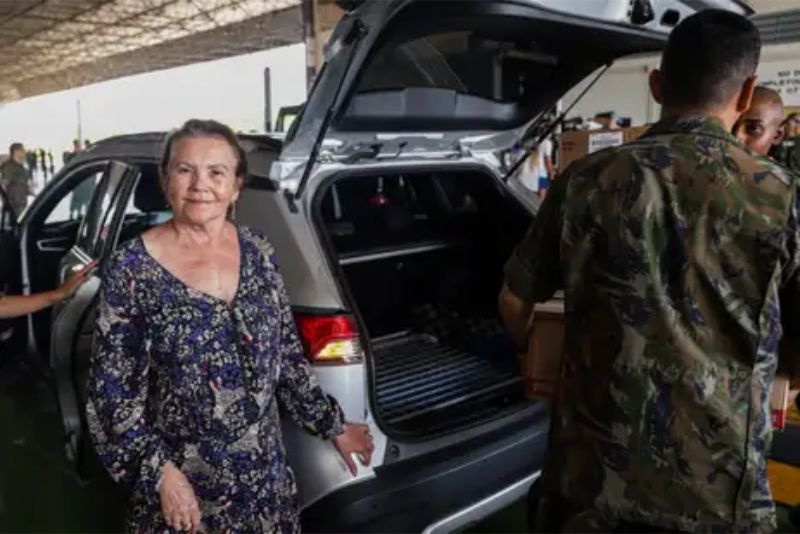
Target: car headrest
(148,196)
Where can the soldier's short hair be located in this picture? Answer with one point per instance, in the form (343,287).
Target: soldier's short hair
(707,58)
(770,95)
(14,147)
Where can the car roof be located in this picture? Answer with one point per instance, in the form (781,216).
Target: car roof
(148,145)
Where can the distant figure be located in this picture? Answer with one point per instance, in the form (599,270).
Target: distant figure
(76,149)
(30,161)
(788,152)
(761,128)
(537,172)
(51,166)
(15,178)
(87,144)
(42,155)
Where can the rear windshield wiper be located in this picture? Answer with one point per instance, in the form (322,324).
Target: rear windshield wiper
(356,33)
(550,127)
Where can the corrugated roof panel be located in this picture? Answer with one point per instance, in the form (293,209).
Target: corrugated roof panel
(779,27)
(48,45)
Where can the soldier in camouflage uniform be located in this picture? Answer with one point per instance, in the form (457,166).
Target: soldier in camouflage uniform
(673,251)
(788,152)
(761,127)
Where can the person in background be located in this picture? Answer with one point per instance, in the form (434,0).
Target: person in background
(788,152)
(678,257)
(51,166)
(760,128)
(15,178)
(76,149)
(536,173)
(18,305)
(197,355)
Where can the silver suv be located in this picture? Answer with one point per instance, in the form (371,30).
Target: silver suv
(391,211)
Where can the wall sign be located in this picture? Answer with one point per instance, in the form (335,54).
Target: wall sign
(601,140)
(783,77)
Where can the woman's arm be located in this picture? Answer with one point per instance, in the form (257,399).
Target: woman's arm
(129,448)
(304,400)
(17,305)
(298,391)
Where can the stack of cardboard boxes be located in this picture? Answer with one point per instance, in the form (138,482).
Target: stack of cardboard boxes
(574,145)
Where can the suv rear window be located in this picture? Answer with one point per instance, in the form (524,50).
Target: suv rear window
(478,66)
(462,61)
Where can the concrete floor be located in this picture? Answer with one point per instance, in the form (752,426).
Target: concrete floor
(39,491)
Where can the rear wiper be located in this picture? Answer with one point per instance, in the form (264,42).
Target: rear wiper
(356,33)
(550,127)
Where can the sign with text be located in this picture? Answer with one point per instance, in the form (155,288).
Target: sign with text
(784,79)
(601,140)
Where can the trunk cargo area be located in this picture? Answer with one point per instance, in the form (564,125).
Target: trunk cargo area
(422,257)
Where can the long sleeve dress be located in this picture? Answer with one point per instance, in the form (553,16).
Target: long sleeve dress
(178,375)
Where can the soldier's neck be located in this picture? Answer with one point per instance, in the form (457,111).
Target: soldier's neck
(726,117)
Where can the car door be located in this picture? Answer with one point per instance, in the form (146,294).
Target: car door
(10,275)
(97,237)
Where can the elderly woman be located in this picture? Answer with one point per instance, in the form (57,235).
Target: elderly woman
(195,351)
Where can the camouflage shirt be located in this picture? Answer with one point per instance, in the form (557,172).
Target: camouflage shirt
(672,251)
(788,154)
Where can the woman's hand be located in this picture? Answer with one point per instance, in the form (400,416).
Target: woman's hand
(74,282)
(355,439)
(178,502)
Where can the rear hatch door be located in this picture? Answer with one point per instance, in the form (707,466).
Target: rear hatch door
(420,77)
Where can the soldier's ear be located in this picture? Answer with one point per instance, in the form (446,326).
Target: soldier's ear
(746,95)
(655,86)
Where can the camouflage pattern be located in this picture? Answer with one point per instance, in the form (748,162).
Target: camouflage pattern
(672,252)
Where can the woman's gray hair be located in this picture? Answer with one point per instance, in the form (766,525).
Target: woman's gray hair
(201,128)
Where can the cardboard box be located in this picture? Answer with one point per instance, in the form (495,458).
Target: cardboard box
(779,401)
(574,145)
(541,365)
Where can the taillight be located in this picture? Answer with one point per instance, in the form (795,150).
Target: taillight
(329,339)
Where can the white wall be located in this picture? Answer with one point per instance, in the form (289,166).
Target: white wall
(230,90)
(624,88)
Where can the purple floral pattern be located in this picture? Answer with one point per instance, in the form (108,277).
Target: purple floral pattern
(178,375)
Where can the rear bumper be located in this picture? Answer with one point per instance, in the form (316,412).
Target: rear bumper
(438,492)
(463,518)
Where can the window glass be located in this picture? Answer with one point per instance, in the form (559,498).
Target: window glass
(462,61)
(104,194)
(75,203)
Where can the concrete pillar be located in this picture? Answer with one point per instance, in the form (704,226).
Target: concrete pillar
(319,18)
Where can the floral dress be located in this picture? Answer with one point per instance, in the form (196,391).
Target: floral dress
(178,375)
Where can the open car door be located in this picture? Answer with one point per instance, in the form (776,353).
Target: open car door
(97,238)
(10,276)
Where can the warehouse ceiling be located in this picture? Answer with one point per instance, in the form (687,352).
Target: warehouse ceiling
(50,45)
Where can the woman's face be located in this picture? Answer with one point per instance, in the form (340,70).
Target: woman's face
(202,182)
